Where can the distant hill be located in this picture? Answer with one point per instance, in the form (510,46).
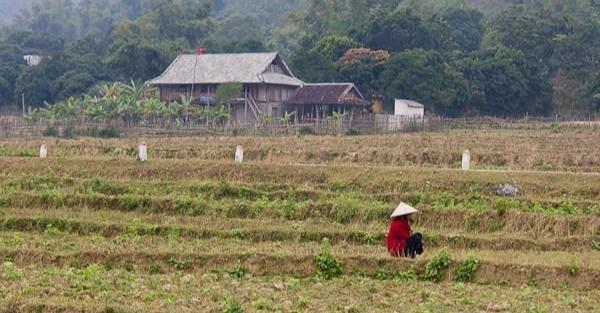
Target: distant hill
(9,8)
(267,11)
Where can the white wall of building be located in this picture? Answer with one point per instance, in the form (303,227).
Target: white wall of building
(409,109)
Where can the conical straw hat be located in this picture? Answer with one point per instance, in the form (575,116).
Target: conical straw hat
(403,209)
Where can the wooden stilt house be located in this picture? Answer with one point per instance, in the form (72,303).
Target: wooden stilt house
(269,87)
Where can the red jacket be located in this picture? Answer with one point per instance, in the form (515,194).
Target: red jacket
(398,236)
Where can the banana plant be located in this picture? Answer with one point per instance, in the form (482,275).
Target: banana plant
(32,115)
(288,116)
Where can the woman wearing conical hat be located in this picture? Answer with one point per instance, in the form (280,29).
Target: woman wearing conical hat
(399,239)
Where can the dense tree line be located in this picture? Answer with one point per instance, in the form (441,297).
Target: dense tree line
(536,57)
(458,57)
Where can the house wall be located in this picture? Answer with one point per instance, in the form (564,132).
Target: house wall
(270,99)
(401,108)
(169,93)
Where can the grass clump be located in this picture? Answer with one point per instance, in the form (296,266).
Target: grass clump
(107,188)
(178,264)
(328,266)
(9,272)
(437,266)
(466,270)
(345,207)
(232,305)
(262,305)
(191,206)
(409,275)
(238,272)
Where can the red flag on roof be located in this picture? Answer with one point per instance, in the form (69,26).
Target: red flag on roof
(201,51)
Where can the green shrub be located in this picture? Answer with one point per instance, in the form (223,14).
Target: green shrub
(178,264)
(437,266)
(595,245)
(262,305)
(155,269)
(502,205)
(409,275)
(238,272)
(132,202)
(328,266)
(466,270)
(567,208)
(8,271)
(183,204)
(237,233)
(111,132)
(91,278)
(5,200)
(345,207)
(352,132)
(50,131)
(532,278)
(369,239)
(52,230)
(194,206)
(232,305)
(69,133)
(27,154)
(306,130)
(288,209)
(240,210)
(107,188)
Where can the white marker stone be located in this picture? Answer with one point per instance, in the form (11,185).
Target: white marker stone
(466,160)
(239,154)
(143,152)
(43,151)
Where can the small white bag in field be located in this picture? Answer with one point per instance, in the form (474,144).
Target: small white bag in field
(143,152)
(43,152)
(466,160)
(239,154)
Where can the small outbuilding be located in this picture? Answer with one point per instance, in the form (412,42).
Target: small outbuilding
(409,109)
(314,101)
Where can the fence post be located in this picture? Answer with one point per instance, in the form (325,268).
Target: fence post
(239,154)
(466,160)
(143,152)
(43,151)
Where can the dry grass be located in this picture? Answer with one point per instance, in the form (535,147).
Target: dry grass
(53,290)
(90,229)
(569,149)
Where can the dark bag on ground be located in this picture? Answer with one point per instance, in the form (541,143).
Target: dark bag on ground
(414,246)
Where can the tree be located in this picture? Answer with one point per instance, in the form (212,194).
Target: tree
(227,92)
(466,26)
(312,66)
(133,62)
(34,84)
(224,96)
(423,76)
(237,34)
(334,47)
(502,83)
(362,67)
(404,29)
(72,83)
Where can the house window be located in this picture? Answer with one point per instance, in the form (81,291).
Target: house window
(181,89)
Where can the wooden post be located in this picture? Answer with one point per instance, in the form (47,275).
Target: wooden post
(23,103)
(246,105)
